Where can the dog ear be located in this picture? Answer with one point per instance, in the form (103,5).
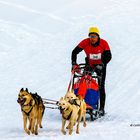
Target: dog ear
(26,90)
(21,90)
(65,96)
(72,90)
(68,92)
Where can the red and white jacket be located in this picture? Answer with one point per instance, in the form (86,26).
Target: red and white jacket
(96,54)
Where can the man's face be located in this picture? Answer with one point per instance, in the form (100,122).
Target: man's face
(93,38)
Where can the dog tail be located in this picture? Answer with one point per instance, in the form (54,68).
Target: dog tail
(43,110)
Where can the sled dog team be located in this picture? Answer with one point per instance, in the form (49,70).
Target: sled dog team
(72,108)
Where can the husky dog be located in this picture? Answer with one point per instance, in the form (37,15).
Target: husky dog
(70,112)
(32,109)
(79,101)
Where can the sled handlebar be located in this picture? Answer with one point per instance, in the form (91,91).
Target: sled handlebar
(86,69)
(82,69)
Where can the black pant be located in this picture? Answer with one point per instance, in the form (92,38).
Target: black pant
(102,88)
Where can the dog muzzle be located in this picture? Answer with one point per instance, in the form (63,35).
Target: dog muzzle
(21,101)
(61,109)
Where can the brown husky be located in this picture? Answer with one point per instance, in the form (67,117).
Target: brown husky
(71,112)
(32,108)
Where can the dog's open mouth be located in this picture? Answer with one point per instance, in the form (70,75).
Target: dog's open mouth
(21,101)
(61,110)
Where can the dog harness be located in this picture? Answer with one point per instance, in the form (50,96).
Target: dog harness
(29,104)
(27,113)
(73,102)
(68,117)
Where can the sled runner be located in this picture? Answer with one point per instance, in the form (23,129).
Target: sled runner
(86,83)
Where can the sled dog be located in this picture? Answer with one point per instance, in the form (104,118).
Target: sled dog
(71,113)
(79,101)
(32,109)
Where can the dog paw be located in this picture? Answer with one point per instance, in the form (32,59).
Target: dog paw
(40,126)
(64,132)
(32,131)
(77,131)
(70,132)
(28,132)
(84,124)
(36,133)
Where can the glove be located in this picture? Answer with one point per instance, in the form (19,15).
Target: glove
(100,66)
(75,68)
(74,64)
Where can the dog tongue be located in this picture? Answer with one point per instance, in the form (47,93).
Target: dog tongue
(62,111)
(21,101)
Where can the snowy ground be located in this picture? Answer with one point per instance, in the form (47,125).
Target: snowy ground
(36,40)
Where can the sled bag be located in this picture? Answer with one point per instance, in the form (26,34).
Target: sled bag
(87,88)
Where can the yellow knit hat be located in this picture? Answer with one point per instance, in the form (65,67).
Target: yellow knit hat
(93,30)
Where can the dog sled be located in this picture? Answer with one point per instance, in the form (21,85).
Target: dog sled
(86,83)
